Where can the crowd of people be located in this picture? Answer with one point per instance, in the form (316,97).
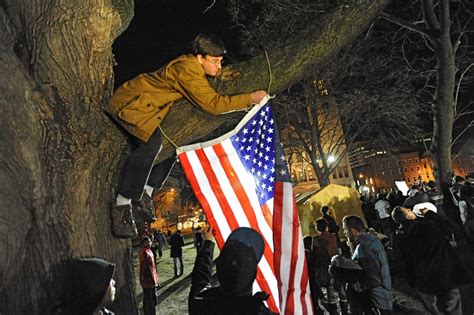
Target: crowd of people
(347,275)
(422,229)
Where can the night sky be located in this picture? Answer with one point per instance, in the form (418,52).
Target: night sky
(163,29)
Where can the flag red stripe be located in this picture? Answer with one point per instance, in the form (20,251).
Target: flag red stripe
(188,169)
(277,224)
(267,214)
(290,306)
(304,289)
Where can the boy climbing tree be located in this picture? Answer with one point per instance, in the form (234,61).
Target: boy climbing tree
(141,104)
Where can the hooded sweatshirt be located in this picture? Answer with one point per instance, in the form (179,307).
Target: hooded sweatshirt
(85,284)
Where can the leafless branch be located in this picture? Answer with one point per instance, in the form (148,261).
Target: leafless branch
(209,7)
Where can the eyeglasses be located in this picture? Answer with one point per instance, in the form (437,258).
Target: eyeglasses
(215,62)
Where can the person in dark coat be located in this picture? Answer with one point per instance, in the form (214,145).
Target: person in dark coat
(198,238)
(176,243)
(333,227)
(88,287)
(431,264)
(159,242)
(236,269)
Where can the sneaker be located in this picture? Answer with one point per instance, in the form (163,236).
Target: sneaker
(123,225)
(146,208)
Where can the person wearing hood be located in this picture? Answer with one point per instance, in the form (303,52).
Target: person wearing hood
(236,269)
(431,264)
(88,288)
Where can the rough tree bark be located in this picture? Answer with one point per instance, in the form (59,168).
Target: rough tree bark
(59,153)
(443,108)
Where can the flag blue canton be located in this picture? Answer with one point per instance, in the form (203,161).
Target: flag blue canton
(258,150)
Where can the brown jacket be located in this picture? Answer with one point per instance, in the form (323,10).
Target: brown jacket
(143,102)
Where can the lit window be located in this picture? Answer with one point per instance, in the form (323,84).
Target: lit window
(409,160)
(405,169)
(403,161)
(416,160)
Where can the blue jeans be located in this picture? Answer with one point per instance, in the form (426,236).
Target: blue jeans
(139,168)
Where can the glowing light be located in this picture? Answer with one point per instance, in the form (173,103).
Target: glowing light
(331,159)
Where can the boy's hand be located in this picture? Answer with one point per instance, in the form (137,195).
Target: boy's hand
(258,96)
(227,75)
(207,234)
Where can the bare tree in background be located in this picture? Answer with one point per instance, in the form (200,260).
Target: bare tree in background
(445,30)
(417,70)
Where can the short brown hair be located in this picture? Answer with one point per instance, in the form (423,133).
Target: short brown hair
(355,222)
(208,44)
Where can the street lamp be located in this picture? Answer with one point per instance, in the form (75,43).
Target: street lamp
(331,159)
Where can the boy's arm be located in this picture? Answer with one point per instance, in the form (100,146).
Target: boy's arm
(195,88)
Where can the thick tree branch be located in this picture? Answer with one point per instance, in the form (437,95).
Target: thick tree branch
(290,63)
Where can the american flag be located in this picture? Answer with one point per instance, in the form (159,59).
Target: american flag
(241,179)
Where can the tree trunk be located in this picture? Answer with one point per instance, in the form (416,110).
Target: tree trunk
(60,154)
(443,109)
